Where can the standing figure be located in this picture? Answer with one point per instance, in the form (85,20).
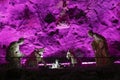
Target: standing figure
(100,48)
(35,57)
(74,60)
(13,53)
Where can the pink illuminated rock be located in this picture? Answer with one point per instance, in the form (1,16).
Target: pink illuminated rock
(26,18)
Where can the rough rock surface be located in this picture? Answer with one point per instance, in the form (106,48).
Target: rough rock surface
(35,21)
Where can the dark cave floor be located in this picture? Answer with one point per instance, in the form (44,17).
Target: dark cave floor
(85,72)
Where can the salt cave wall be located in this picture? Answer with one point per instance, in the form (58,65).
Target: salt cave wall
(30,19)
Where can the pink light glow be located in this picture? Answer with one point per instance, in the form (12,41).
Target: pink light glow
(27,18)
(67,64)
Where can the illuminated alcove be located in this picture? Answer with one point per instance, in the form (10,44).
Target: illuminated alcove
(35,20)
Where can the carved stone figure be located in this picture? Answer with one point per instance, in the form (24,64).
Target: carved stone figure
(13,53)
(100,48)
(35,57)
